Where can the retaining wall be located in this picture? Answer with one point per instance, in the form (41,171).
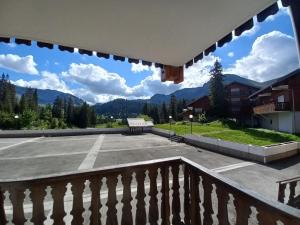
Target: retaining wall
(56,133)
(262,154)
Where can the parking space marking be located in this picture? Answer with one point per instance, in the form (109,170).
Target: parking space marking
(90,158)
(232,167)
(43,156)
(67,139)
(140,148)
(20,143)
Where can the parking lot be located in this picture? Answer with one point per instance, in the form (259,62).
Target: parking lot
(26,157)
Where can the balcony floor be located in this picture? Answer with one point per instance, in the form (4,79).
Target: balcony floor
(40,156)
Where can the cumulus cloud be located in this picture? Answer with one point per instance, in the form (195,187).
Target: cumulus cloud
(137,68)
(100,85)
(47,81)
(19,64)
(97,79)
(198,74)
(272,55)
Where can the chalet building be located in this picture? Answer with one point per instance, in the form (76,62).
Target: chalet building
(277,106)
(237,94)
(200,105)
(238,99)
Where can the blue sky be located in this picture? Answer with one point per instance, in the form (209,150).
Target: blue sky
(265,52)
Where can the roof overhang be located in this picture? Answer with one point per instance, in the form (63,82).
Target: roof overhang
(166,32)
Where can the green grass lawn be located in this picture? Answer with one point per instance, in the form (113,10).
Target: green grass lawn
(230,132)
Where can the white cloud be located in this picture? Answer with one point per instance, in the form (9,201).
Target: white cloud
(137,68)
(198,73)
(19,64)
(100,85)
(272,55)
(97,79)
(47,81)
(230,54)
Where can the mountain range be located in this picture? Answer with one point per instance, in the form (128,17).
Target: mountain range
(189,94)
(132,107)
(47,96)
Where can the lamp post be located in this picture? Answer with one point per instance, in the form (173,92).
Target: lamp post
(184,113)
(191,119)
(170,119)
(111,120)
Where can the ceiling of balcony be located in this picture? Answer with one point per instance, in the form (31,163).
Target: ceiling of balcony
(167,32)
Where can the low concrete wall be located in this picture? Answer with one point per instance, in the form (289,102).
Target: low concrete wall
(262,154)
(161,132)
(56,133)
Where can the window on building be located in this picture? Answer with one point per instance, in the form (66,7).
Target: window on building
(235,90)
(280,98)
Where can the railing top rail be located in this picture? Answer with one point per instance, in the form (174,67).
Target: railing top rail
(288,180)
(258,199)
(91,172)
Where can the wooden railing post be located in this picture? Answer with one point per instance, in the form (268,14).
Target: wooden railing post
(175,198)
(126,211)
(112,219)
(153,207)
(37,196)
(242,208)
(292,192)
(281,192)
(17,197)
(3,220)
(187,201)
(165,201)
(195,198)
(95,207)
(77,209)
(207,204)
(58,193)
(223,198)
(140,217)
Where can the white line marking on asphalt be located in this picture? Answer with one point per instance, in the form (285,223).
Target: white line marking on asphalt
(140,148)
(67,139)
(232,167)
(43,156)
(20,143)
(90,158)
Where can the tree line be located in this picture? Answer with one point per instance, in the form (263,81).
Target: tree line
(25,112)
(161,113)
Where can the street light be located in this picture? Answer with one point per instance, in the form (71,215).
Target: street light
(16,117)
(111,120)
(191,119)
(170,119)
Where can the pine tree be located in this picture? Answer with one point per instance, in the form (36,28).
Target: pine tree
(58,108)
(70,112)
(145,109)
(7,95)
(84,116)
(217,91)
(93,117)
(173,107)
(164,113)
